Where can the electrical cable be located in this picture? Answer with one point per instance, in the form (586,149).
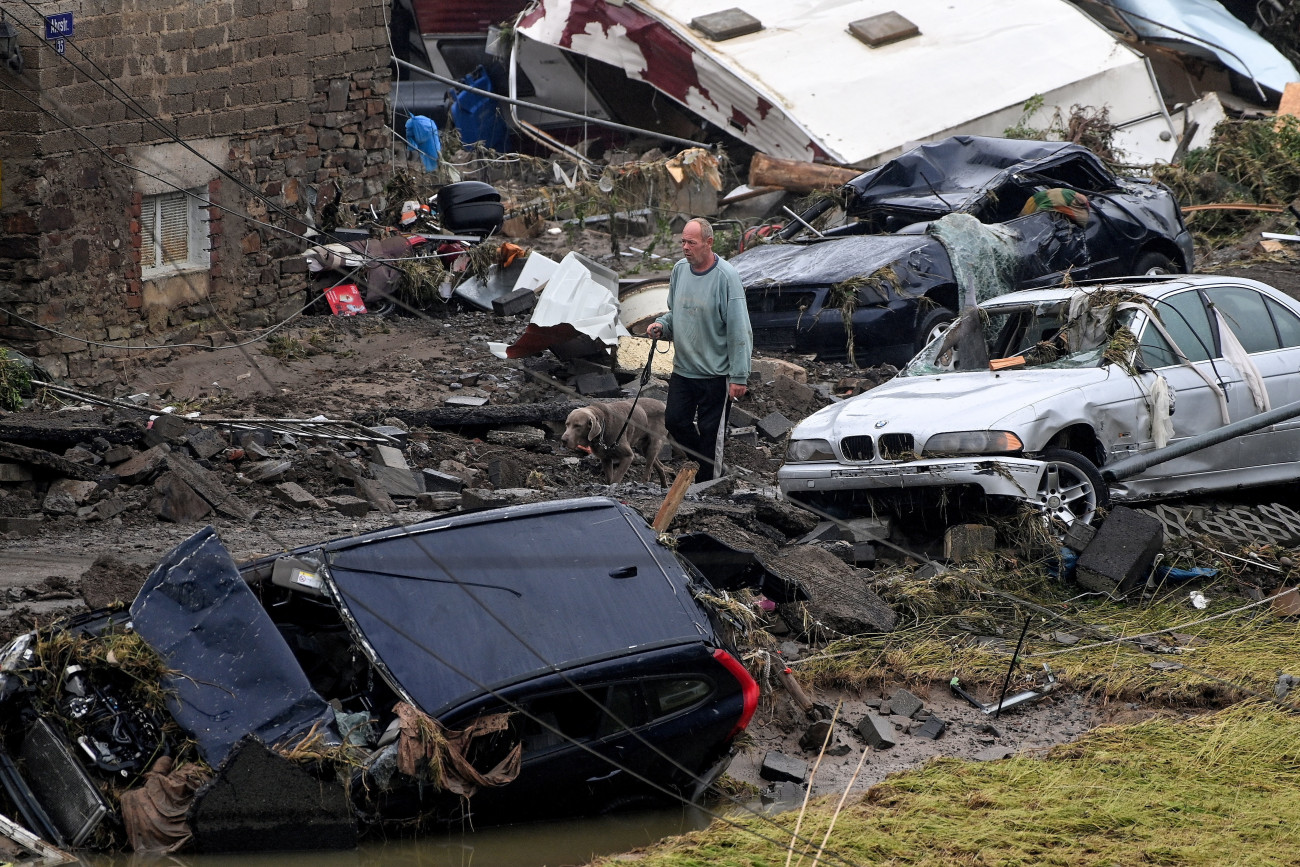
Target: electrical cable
(131,103)
(286,323)
(267,334)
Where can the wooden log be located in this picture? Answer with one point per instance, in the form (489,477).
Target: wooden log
(488,415)
(797,176)
(673,501)
(786,676)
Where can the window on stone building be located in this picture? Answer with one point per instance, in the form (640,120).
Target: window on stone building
(173,232)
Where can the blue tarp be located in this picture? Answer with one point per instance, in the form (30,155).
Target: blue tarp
(422,137)
(477,116)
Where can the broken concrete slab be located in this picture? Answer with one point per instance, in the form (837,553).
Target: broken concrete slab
(905,703)
(1078,536)
(438,501)
(739,417)
(877,731)
(435,481)
(65,495)
(778,768)
(484,498)
(143,466)
(206,442)
(108,508)
(963,541)
(768,369)
(868,529)
(397,481)
(12,473)
(603,384)
(373,493)
(517,439)
(259,800)
(81,455)
(933,728)
(265,471)
(815,737)
(118,454)
(795,395)
(841,604)
(294,495)
(825,531)
(506,472)
(774,426)
(209,487)
(176,501)
(388,456)
(353,507)
(21,526)
(465,400)
(790,520)
(1121,555)
(166,428)
(48,460)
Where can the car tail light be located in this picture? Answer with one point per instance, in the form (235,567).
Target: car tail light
(748,689)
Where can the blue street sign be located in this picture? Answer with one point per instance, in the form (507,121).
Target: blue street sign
(58,26)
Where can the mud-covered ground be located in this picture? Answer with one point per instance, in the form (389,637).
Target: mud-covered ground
(375,369)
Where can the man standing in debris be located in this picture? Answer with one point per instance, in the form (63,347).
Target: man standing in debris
(708,324)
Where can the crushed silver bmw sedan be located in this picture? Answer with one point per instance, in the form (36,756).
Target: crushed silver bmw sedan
(1029,396)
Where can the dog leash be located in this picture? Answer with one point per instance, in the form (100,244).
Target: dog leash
(645,379)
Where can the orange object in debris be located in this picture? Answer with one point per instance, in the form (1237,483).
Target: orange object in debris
(509,253)
(1004,363)
(345,300)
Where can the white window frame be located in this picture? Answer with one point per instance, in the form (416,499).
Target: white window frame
(174,233)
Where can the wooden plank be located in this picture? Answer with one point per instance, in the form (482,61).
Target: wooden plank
(1290,104)
(673,501)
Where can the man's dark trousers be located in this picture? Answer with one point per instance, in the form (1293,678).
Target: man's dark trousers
(694,419)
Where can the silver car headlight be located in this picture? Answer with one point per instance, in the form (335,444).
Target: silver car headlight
(807,451)
(973,442)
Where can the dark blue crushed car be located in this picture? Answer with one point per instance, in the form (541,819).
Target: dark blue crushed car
(559,648)
(906,260)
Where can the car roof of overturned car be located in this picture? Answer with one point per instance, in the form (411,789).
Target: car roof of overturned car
(460,606)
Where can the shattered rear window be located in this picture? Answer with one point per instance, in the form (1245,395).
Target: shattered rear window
(1016,338)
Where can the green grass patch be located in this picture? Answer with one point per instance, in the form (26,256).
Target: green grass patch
(965,622)
(1212,790)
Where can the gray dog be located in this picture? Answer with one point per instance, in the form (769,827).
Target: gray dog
(595,426)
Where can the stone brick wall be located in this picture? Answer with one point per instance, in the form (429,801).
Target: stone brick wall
(251,101)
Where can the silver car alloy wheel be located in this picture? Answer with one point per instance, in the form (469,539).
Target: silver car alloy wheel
(1066,494)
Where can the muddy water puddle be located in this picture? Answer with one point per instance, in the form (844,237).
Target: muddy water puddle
(534,845)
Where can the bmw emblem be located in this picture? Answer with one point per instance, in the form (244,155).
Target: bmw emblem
(881,424)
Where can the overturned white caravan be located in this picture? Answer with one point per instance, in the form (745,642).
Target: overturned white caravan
(856,83)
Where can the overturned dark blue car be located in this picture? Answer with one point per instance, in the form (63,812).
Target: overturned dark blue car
(508,665)
(955,221)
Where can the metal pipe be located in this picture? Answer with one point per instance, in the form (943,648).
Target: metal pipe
(1129,467)
(572,115)
(820,207)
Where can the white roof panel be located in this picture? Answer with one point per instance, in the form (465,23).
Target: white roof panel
(971,69)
